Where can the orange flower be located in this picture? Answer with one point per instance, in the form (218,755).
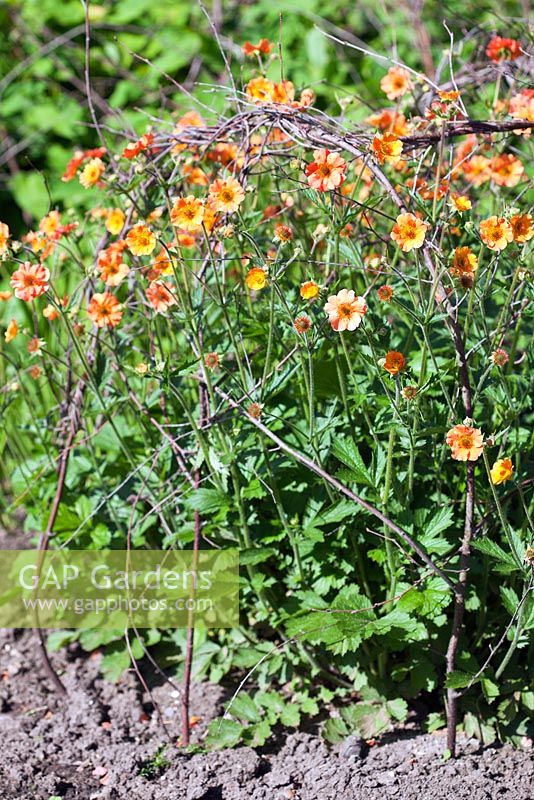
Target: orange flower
(477,170)
(226,195)
(506,170)
(500,49)
(389,120)
(92,172)
(496,233)
(464,262)
(50,224)
(409,232)
(115,221)
(188,213)
(5,296)
(282,233)
(77,160)
(186,239)
(345,310)
(448,97)
(4,238)
(263,46)
(387,148)
(254,410)
(212,361)
(500,357)
(11,330)
(283,92)
(394,362)
(256,278)
(50,312)
(522,227)
(326,171)
(30,281)
(195,175)
(409,392)
(260,89)
(396,83)
(502,471)
(302,324)
(309,290)
(460,202)
(161,296)
(113,271)
(133,149)
(385,293)
(164,263)
(140,240)
(34,346)
(466,443)
(104,310)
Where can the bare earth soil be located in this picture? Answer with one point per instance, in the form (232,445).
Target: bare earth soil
(94,746)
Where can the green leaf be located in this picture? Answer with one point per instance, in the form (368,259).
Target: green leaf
(398,709)
(255,555)
(494,550)
(243,707)
(223,733)
(369,719)
(346,451)
(335,730)
(207,501)
(459,680)
(490,689)
(114,664)
(30,193)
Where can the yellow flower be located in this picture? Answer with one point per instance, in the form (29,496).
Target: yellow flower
(256,279)
(140,240)
(188,213)
(502,471)
(115,221)
(260,89)
(11,330)
(309,290)
(226,195)
(464,261)
(387,148)
(522,227)
(4,238)
(460,202)
(496,233)
(409,232)
(92,172)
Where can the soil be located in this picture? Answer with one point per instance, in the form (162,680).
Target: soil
(99,744)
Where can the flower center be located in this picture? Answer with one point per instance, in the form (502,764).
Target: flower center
(345,310)
(466,441)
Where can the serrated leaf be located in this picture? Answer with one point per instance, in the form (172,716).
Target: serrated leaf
(346,451)
(335,730)
(492,549)
(459,680)
(223,733)
(243,707)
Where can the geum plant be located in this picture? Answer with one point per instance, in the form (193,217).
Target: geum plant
(304,336)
